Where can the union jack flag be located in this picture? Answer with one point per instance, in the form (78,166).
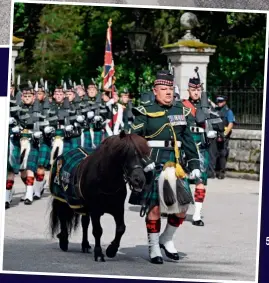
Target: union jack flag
(109,70)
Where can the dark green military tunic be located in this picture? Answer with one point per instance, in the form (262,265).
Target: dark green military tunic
(200,140)
(74,140)
(146,124)
(150,121)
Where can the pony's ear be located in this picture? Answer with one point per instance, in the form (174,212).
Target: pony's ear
(122,134)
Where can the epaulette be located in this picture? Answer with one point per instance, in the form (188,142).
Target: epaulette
(140,109)
(146,103)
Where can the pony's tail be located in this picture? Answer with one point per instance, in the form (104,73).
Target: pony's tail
(62,213)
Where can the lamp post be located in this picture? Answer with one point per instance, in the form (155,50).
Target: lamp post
(137,37)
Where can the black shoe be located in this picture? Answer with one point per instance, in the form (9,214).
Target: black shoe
(7,205)
(27,202)
(221,175)
(173,256)
(198,223)
(157,260)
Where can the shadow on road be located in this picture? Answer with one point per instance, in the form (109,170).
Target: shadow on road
(16,200)
(45,256)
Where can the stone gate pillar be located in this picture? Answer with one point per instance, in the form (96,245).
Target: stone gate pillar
(17,44)
(187,54)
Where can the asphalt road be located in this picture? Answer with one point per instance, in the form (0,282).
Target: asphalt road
(224,249)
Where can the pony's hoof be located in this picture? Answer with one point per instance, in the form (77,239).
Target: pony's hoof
(102,258)
(85,247)
(112,250)
(98,254)
(63,243)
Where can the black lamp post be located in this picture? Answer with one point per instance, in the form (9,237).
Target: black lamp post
(137,37)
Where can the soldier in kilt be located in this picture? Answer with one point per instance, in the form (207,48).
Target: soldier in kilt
(163,123)
(45,144)
(73,140)
(202,140)
(96,115)
(29,142)
(59,120)
(13,162)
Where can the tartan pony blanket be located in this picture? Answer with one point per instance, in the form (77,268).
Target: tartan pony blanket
(63,183)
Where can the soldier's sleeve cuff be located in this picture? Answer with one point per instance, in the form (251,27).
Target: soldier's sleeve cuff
(136,127)
(193,164)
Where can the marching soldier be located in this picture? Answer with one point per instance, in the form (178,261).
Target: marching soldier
(45,144)
(202,139)
(59,120)
(97,118)
(73,139)
(29,141)
(13,162)
(164,125)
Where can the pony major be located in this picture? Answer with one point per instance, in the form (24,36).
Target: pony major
(95,184)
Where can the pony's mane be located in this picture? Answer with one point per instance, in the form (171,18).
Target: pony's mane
(114,150)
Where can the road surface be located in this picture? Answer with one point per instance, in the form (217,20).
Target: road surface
(224,249)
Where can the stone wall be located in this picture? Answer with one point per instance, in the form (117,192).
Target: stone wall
(245,154)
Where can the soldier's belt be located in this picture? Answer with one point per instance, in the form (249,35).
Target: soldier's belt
(197,130)
(163,143)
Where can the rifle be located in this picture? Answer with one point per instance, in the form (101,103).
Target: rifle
(18,94)
(98,124)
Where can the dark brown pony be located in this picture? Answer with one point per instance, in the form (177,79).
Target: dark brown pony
(103,176)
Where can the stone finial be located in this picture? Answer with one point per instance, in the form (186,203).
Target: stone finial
(188,22)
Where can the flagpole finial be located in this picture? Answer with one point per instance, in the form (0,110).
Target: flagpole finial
(109,22)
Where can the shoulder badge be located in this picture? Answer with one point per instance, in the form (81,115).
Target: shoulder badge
(140,109)
(186,111)
(146,103)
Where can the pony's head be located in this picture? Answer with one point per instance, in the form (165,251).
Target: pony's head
(130,151)
(136,152)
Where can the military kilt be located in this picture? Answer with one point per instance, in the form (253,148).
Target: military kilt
(160,157)
(44,154)
(87,140)
(71,143)
(14,150)
(99,136)
(32,161)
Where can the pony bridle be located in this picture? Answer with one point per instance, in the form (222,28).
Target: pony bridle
(127,179)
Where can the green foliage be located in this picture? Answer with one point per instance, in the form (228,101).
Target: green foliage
(69,41)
